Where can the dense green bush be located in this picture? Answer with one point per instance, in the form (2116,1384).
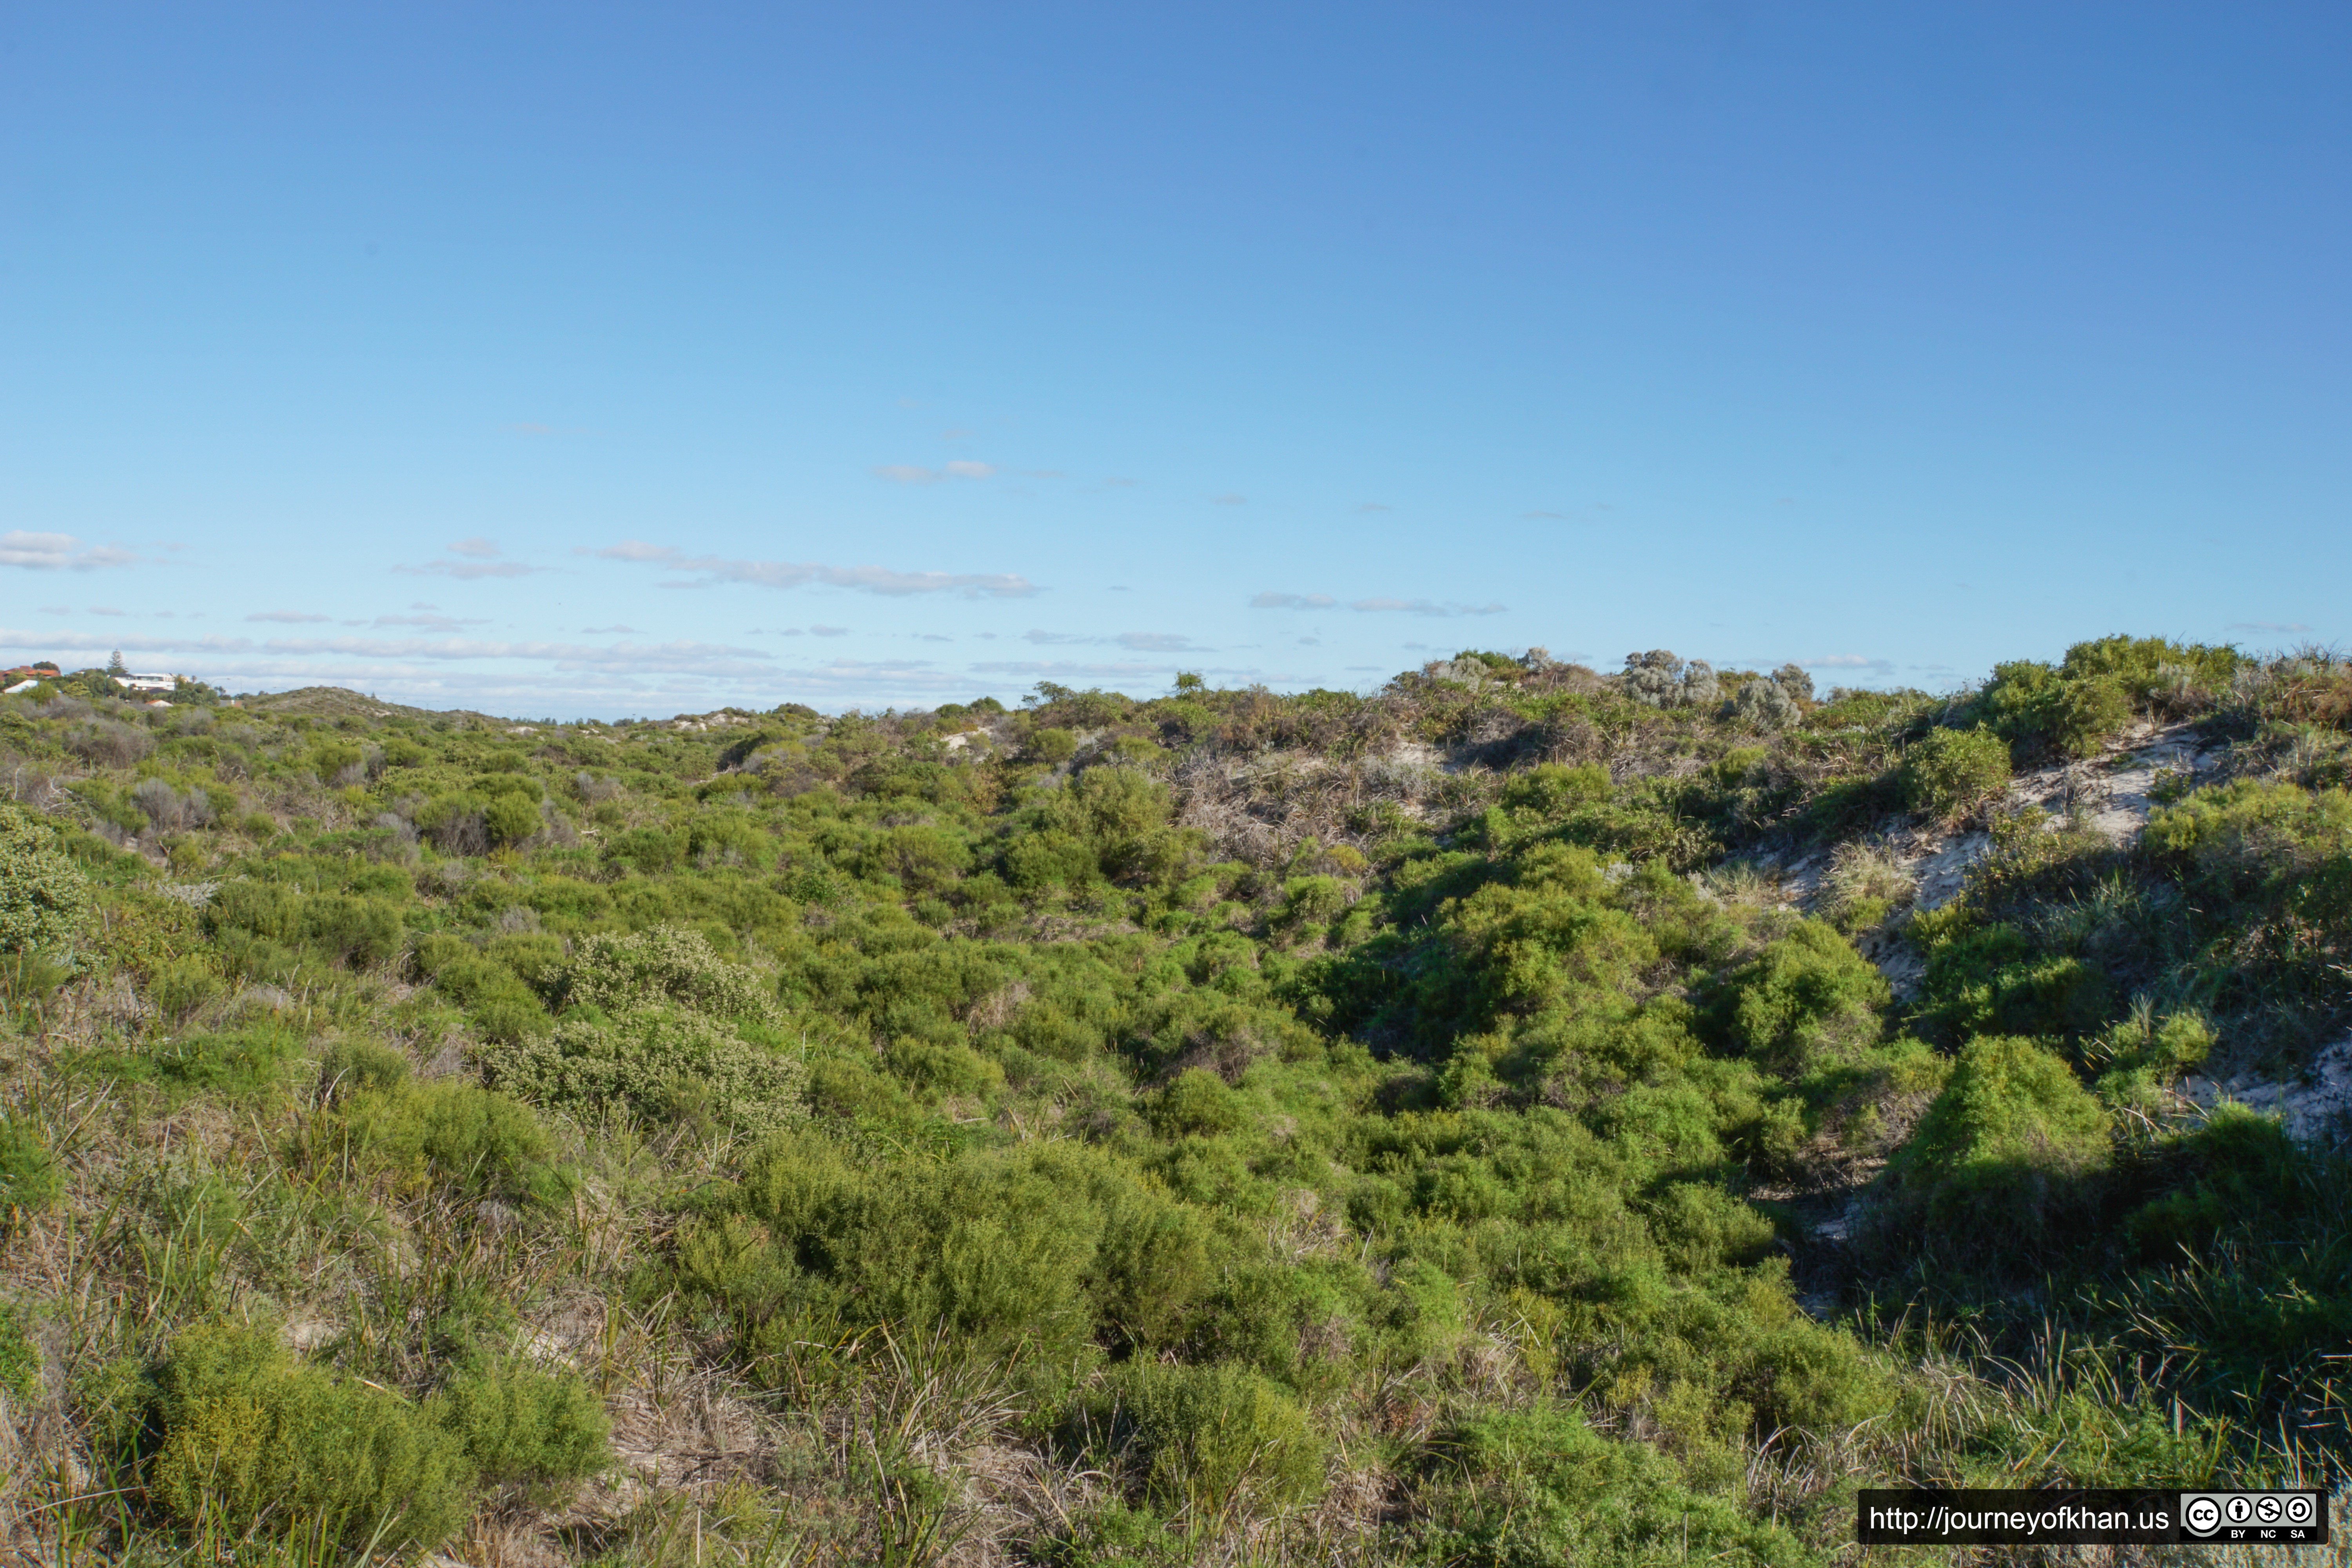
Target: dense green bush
(1218,1440)
(43,898)
(253,1444)
(512,818)
(1806,999)
(1948,772)
(501,1003)
(524,1425)
(1044,1244)
(2072,711)
(2157,674)
(2011,1148)
(447,1133)
(1534,1488)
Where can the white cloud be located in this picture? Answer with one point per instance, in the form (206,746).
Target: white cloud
(712,569)
(1052,668)
(1272,600)
(1849,661)
(2292,626)
(1424,607)
(828,631)
(434,623)
(610,631)
(107,610)
(478,547)
(1140,642)
(1229,498)
(710,658)
(470,571)
(290,616)
(915,474)
(57,551)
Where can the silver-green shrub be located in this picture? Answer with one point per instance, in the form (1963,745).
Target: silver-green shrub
(660,1064)
(665,964)
(1764,705)
(1662,681)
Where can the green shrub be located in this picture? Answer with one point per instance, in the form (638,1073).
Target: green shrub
(447,1133)
(2088,713)
(1534,1488)
(1040,860)
(1989,979)
(1948,772)
(2239,1171)
(268,910)
(942,1067)
(1219,1441)
(523,1424)
(1196,1104)
(2040,709)
(353,930)
(512,818)
(1040,1245)
(254,1444)
(2154,673)
(2139,1058)
(1309,901)
(1699,1228)
(1054,747)
(356,1066)
(243,1062)
(537,958)
(1805,999)
(658,1063)
(651,850)
(505,1008)
(328,758)
(2007,1150)
(43,898)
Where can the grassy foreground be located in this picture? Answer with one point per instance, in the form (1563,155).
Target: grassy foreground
(1453,1125)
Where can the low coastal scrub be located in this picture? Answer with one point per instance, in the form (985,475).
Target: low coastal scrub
(1521,1114)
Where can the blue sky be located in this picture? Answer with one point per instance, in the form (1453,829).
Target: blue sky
(590,360)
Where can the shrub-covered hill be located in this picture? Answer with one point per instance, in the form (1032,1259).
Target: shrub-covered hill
(1468,1123)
